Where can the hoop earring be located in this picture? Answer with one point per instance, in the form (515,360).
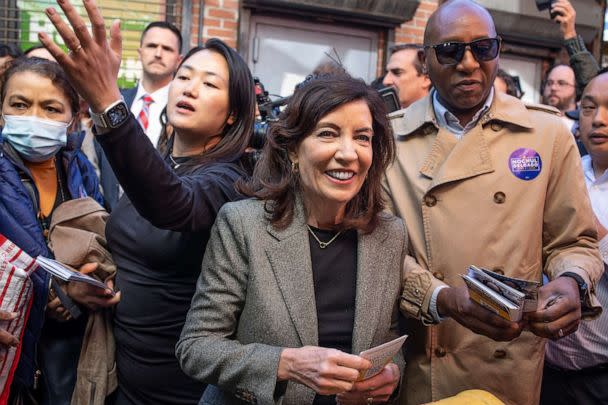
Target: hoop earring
(294,167)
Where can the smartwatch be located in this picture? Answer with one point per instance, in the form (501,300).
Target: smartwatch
(113,116)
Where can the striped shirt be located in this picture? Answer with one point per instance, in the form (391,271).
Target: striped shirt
(588,346)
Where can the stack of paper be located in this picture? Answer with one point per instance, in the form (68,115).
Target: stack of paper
(506,296)
(380,356)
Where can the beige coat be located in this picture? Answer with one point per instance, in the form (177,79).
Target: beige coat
(462,205)
(76,237)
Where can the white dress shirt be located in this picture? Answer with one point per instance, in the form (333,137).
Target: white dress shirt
(447,120)
(160,97)
(588,346)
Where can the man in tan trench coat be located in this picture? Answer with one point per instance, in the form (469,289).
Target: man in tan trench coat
(483,179)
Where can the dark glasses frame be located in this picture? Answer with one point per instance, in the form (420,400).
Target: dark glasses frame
(451,53)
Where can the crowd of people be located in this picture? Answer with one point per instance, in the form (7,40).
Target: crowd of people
(227,284)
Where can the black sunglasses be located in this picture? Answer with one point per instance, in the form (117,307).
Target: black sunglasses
(451,53)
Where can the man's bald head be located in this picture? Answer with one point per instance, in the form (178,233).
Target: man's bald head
(463,75)
(450,11)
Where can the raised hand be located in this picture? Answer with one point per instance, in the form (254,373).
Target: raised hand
(92,63)
(566,17)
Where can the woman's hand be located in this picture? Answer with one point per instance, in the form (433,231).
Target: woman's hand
(376,389)
(6,339)
(92,63)
(90,296)
(327,371)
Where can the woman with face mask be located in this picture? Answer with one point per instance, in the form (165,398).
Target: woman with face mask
(159,229)
(41,166)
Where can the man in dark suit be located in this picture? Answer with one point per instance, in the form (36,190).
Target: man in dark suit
(159,53)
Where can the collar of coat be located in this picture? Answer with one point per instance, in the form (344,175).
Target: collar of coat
(421,115)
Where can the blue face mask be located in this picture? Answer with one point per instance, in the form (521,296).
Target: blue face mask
(35,139)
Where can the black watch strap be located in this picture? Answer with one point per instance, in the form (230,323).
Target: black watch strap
(582,285)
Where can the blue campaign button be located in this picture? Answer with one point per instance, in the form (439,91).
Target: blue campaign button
(525,163)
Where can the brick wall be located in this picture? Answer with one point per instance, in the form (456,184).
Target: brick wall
(413,30)
(220,21)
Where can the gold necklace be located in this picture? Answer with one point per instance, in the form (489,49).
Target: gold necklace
(323,245)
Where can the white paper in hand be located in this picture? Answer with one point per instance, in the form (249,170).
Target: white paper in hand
(380,356)
(60,271)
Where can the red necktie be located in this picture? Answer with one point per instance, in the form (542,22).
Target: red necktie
(145,111)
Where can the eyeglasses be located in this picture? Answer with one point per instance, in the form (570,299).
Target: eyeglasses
(451,53)
(559,83)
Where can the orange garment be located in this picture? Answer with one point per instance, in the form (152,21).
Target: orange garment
(45,179)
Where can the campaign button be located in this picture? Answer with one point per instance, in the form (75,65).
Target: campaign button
(525,164)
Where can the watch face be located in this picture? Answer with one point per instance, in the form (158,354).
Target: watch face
(117,114)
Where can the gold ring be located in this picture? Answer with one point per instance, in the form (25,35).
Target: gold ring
(370,400)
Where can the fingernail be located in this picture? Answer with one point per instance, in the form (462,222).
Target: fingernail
(49,11)
(14,342)
(14,314)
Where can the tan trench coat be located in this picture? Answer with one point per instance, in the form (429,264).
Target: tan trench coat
(462,205)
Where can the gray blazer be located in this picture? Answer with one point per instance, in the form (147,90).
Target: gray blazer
(255,296)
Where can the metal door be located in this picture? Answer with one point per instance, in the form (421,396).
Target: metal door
(283,52)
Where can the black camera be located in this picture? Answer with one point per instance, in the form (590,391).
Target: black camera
(269,112)
(546,5)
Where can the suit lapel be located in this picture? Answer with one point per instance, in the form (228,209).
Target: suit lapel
(370,295)
(289,256)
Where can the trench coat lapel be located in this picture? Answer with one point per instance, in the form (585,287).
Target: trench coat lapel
(289,256)
(453,160)
(371,297)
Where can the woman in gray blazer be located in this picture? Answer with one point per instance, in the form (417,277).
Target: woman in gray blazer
(309,271)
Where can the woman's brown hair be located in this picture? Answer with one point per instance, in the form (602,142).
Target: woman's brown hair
(274,180)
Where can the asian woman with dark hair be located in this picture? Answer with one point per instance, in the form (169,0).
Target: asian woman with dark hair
(158,231)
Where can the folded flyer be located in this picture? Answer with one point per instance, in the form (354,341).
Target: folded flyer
(64,273)
(506,296)
(380,356)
